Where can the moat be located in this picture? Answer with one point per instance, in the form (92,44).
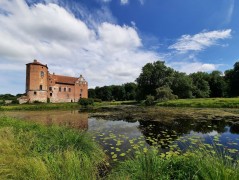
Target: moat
(121,138)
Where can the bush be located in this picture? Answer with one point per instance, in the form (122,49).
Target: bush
(164,93)
(149,100)
(86,101)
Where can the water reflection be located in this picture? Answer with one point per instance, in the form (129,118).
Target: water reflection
(71,119)
(118,137)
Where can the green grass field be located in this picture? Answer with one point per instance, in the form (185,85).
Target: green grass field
(203,103)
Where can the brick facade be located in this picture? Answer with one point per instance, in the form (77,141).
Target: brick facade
(43,86)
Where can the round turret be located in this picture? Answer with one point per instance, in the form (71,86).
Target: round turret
(36,81)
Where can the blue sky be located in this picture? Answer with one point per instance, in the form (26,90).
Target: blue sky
(108,41)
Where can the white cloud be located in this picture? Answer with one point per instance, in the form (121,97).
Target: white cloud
(191,67)
(124,2)
(200,41)
(230,10)
(105,54)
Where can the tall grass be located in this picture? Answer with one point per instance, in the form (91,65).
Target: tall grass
(30,151)
(198,164)
(203,103)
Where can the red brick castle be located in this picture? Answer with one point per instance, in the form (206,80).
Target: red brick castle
(43,86)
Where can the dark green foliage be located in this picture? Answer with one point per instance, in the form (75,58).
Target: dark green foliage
(149,100)
(130,91)
(114,92)
(104,93)
(164,93)
(182,85)
(91,93)
(153,75)
(86,101)
(217,84)
(201,88)
(232,78)
(118,93)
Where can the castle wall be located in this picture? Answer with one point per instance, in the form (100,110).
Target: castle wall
(43,86)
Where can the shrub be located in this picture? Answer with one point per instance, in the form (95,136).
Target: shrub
(164,93)
(149,100)
(86,101)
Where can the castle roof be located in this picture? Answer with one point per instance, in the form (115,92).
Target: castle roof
(64,79)
(35,62)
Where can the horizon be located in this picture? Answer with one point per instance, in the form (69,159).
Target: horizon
(109,41)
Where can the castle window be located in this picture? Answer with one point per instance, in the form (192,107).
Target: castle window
(50,94)
(81,90)
(64,89)
(35,93)
(69,89)
(80,95)
(50,88)
(42,74)
(40,87)
(59,89)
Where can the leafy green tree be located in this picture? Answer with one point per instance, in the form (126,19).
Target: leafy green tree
(153,75)
(91,93)
(130,91)
(217,84)
(182,85)
(104,93)
(118,93)
(232,78)
(201,87)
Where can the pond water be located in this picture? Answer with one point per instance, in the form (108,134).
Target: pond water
(121,138)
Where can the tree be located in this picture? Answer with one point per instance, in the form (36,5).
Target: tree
(153,75)
(182,85)
(232,78)
(130,91)
(217,84)
(118,93)
(201,88)
(104,93)
(91,93)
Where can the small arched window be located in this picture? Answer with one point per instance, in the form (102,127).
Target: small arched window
(42,74)
(40,87)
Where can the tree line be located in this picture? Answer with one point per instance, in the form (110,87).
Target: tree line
(162,83)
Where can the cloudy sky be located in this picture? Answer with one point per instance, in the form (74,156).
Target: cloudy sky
(108,41)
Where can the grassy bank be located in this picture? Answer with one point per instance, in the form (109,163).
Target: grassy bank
(30,151)
(203,103)
(197,164)
(40,107)
(59,106)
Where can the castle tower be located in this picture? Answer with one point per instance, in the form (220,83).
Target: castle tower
(36,81)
